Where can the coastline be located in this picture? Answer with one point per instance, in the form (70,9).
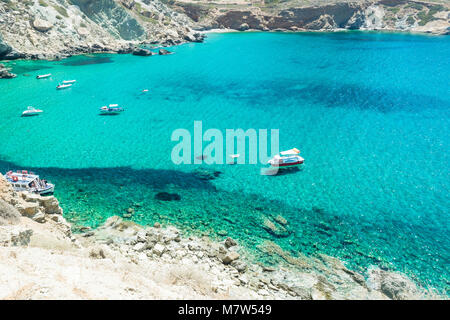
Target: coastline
(127,261)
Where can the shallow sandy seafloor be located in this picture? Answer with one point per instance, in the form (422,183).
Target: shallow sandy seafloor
(40,258)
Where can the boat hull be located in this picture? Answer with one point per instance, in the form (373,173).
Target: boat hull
(287,165)
(47,191)
(30,114)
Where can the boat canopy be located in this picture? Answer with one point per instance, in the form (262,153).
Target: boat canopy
(291,151)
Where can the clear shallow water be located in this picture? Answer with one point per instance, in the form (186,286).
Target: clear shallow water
(370,112)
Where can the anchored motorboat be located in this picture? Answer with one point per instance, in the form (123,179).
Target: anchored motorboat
(112,109)
(43,76)
(69,81)
(287,159)
(63,86)
(31,112)
(23,180)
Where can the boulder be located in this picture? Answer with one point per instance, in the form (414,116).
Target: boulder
(5,74)
(239,266)
(50,204)
(158,249)
(143,52)
(230,257)
(140,246)
(41,25)
(194,37)
(394,285)
(164,52)
(39,217)
(230,242)
(28,209)
(84,32)
(244,26)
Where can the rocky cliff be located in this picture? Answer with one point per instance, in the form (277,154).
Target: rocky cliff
(293,15)
(41,258)
(53,29)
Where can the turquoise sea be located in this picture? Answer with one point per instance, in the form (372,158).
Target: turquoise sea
(369,111)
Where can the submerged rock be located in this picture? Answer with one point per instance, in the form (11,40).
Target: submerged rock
(230,242)
(276,230)
(165,196)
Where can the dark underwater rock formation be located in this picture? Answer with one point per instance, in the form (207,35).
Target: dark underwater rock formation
(165,196)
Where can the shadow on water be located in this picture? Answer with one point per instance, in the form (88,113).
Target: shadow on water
(86,60)
(120,176)
(90,195)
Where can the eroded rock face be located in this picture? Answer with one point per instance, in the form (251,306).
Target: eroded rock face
(66,27)
(113,17)
(5,49)
(366,15)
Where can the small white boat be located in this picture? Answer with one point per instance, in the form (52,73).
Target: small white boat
(23,180)
(112,109)
(43,76)
(145,90)
(31,112)
(63,86)
(69,81)
(287,159)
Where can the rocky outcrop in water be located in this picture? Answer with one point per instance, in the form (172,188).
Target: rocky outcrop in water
(288,15)
(4,73)
(143,52)
(53,29)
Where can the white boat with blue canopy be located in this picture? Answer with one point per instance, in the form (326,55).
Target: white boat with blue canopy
(287,159)
(23,180)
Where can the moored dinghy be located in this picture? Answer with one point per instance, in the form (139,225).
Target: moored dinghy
(63,86)
(43,76)
(69,81)
(31,112)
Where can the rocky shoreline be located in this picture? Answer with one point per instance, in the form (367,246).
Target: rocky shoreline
(387,15)
(53,30)
(43,259)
